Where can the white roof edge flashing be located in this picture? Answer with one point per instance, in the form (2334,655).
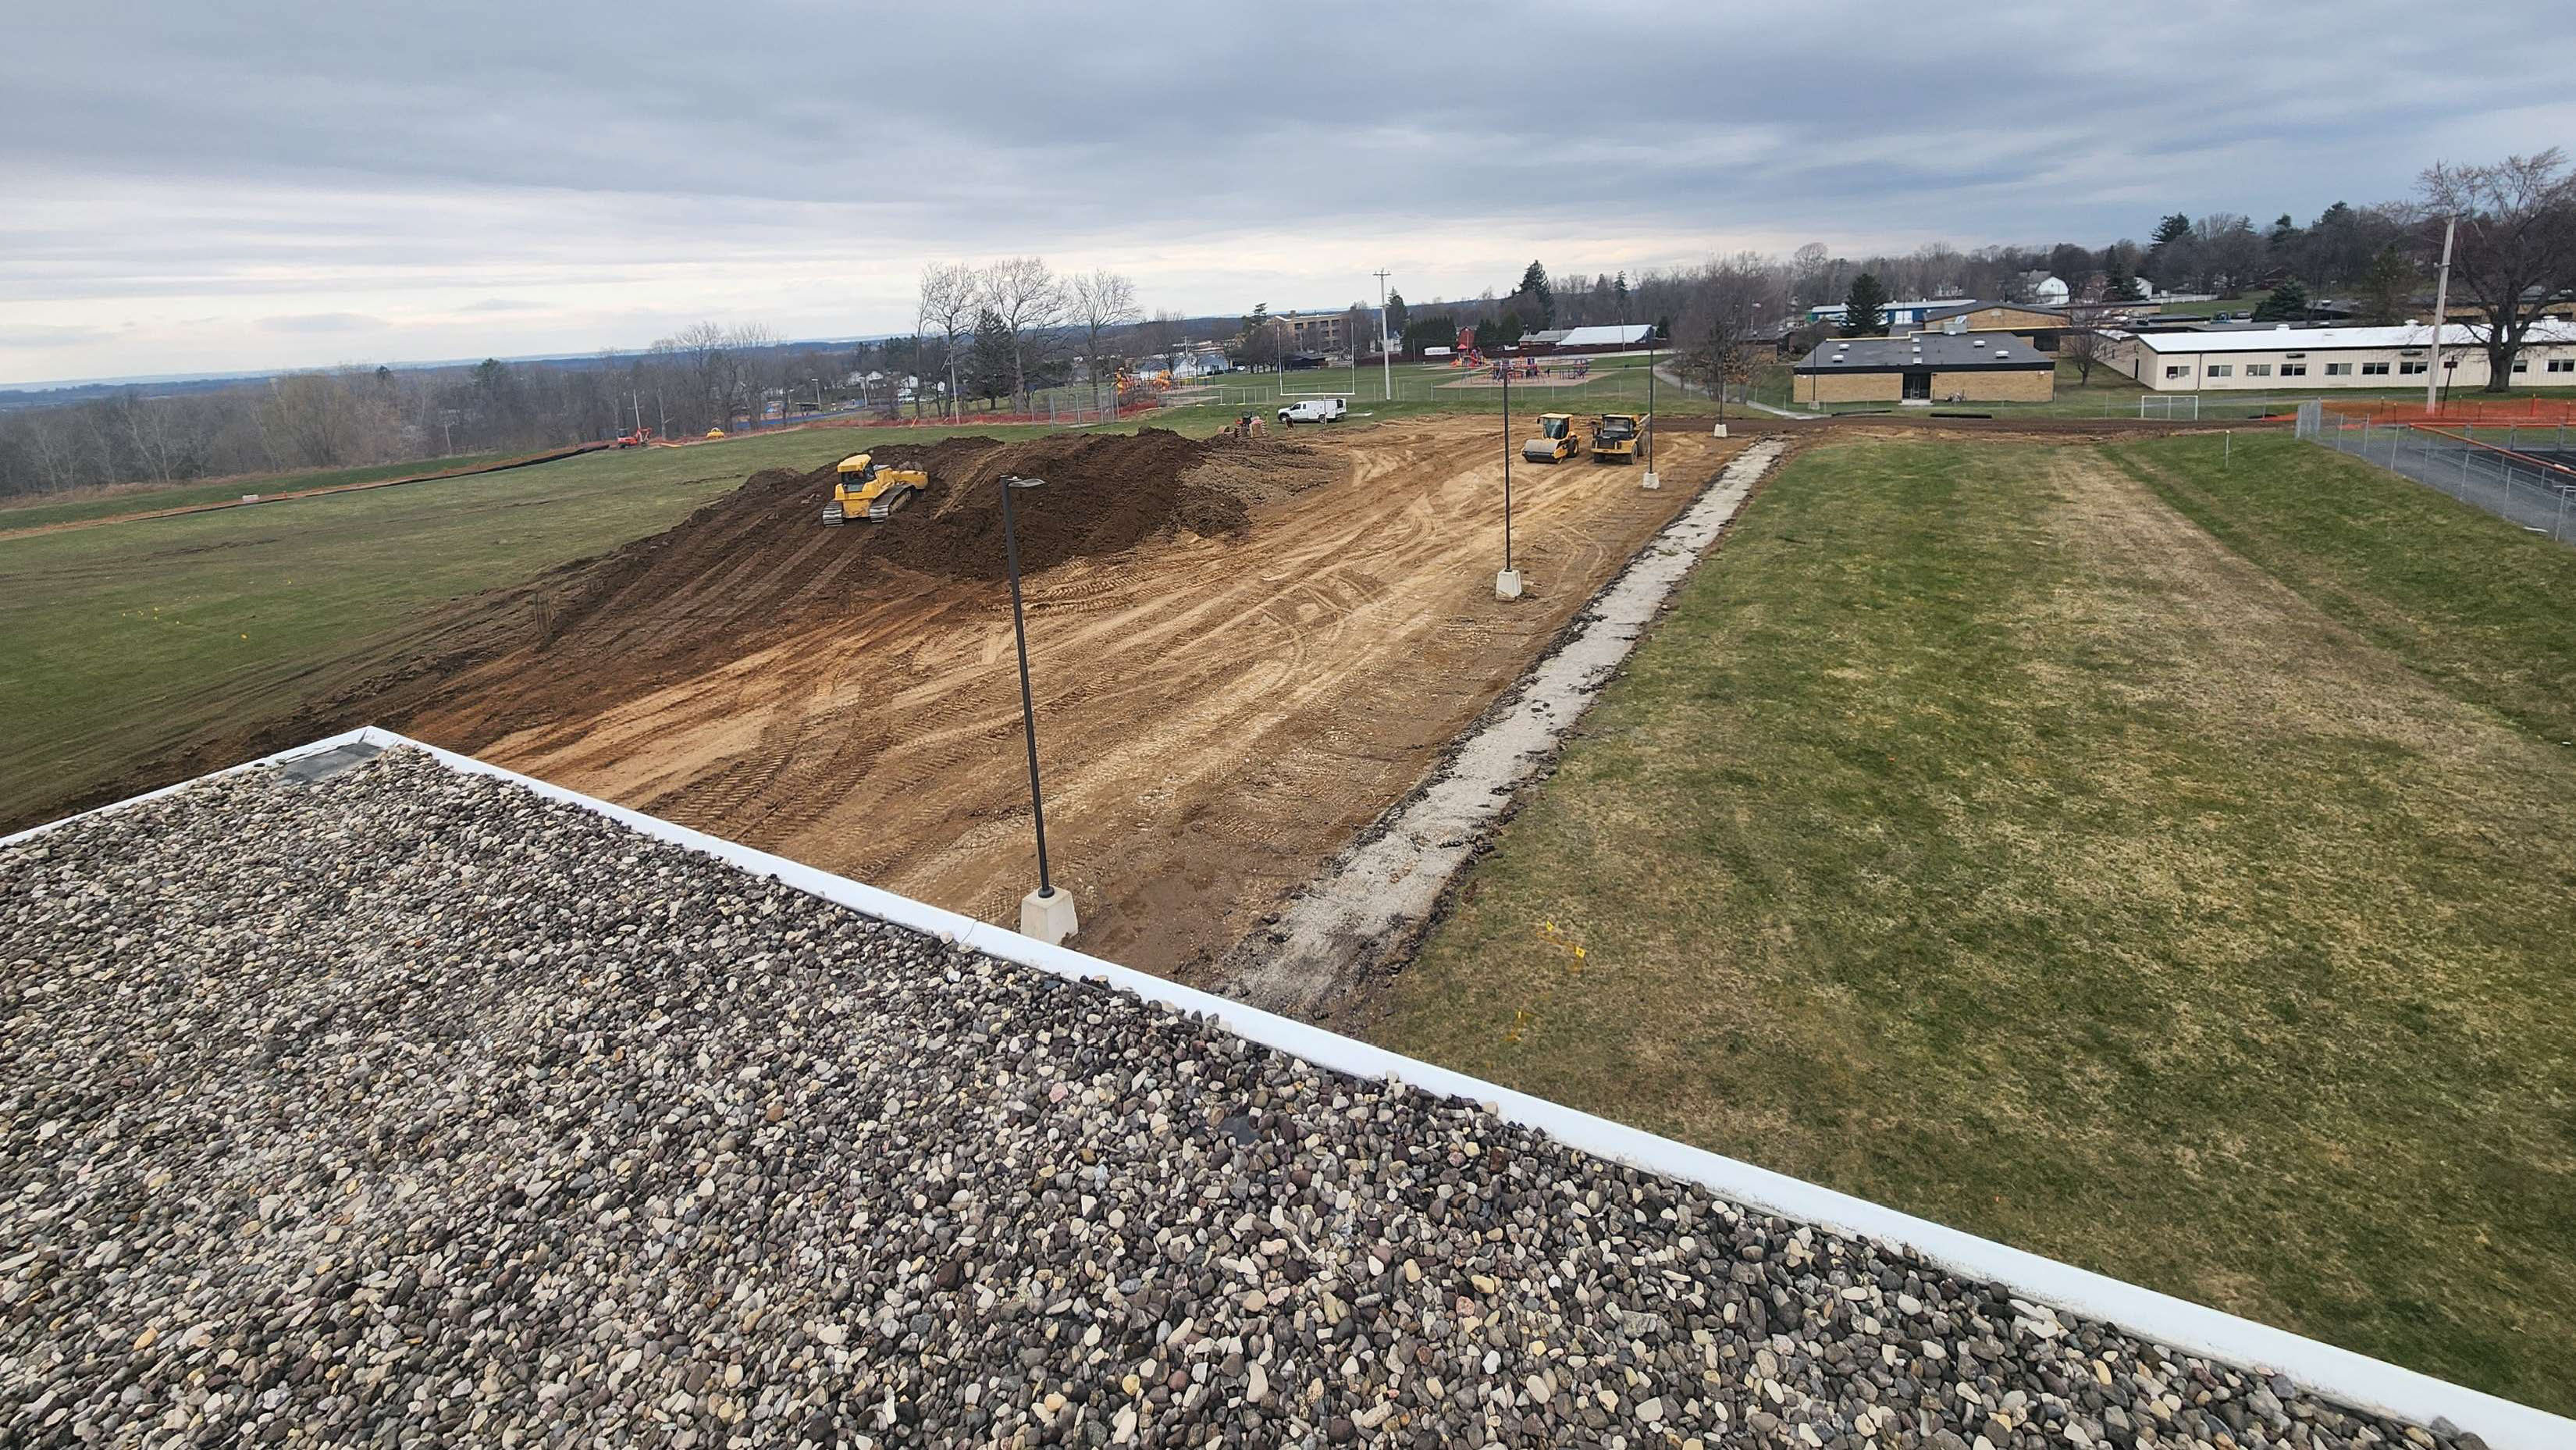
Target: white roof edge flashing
(2339,1374)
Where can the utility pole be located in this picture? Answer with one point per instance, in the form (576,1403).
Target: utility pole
(2441,310)
(1385,346)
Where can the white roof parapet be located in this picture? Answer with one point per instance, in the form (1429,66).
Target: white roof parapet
(2339,1374)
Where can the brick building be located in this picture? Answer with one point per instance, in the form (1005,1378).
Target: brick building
(1926,368)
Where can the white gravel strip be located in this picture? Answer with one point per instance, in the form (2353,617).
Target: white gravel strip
(413,1108)
(1377,895)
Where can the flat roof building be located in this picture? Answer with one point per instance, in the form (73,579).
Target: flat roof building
(2338,357)
(1928,367)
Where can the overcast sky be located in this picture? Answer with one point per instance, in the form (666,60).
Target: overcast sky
(188,187)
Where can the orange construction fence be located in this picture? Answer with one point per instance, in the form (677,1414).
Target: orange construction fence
(2454,410)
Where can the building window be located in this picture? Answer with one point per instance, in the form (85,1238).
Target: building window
(2258,370)
(2294,370)
(2413,369)
(2374,370)
(2562,365)
(2338,370)
(2222,370)
(2522,364)
(2174,371)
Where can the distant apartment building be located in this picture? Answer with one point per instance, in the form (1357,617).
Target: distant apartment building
(1320,332)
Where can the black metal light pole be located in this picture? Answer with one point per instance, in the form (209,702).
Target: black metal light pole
(1650,405)
(1507,467)
(1012,484)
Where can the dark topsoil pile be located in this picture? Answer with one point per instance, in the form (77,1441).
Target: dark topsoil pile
(745,568)
(761,555)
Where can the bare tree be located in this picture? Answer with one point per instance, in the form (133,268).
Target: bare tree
(1030,302)
(1163,333)
(2517,244)
(948,292)
(1724,310)
(1102,302)
(307,420)
(2083,342)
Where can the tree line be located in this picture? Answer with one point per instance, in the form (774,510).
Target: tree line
(2507,228)
(998,332)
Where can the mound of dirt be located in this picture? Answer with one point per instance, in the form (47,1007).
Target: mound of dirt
(1103,493)
(1263,471)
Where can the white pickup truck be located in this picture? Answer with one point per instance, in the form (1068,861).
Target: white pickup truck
(1313,410)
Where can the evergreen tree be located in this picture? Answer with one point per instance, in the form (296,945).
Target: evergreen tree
(1397,315)
(1864,307)
(2387,288)
(2119,286)
(2288,302)
(988,373)
(2170,230)
(1537,296)
(1619,294)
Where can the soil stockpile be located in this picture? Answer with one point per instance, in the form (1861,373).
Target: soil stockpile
(1103,493)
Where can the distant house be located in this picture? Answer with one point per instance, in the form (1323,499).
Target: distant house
(2049,291)
(1925,368)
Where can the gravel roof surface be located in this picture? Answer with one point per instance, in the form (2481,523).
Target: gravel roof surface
(411,1108)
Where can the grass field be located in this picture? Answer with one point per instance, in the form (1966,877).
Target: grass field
(110,636)
(28,511)
(1982,836)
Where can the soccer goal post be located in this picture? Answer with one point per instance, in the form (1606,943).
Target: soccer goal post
(2163,405)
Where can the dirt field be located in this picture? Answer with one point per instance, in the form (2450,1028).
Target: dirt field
(1242,654)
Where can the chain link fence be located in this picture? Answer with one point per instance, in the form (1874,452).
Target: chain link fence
(2524,474)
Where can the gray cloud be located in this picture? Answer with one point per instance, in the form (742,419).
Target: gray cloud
(558,176)
(321,322)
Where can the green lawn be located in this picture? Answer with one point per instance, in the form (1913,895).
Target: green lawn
(27,511)
(116,640)
(1979,836)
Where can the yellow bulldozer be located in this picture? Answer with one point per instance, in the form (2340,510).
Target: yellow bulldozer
(1555,442)
(867,490)
(1614,438)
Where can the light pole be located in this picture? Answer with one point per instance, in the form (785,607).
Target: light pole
(1046,913)
(1650,480)
(1507,584)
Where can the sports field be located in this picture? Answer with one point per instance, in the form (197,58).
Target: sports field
(2152,861)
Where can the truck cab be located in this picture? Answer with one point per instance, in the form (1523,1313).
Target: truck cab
(1614,438)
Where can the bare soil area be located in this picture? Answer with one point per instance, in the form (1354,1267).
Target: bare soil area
(1243,653)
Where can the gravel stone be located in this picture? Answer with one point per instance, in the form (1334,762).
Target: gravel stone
(408,1107)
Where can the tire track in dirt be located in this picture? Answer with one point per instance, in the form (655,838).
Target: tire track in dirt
(1218,711)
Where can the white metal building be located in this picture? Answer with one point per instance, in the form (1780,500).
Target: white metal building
(1631,335)
(2338,357)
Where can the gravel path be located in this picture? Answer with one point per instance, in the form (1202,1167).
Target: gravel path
(410,1108)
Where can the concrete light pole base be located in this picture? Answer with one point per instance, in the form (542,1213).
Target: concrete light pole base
(1507,584)
(1048,916)
(1721,430)
(1652,479)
